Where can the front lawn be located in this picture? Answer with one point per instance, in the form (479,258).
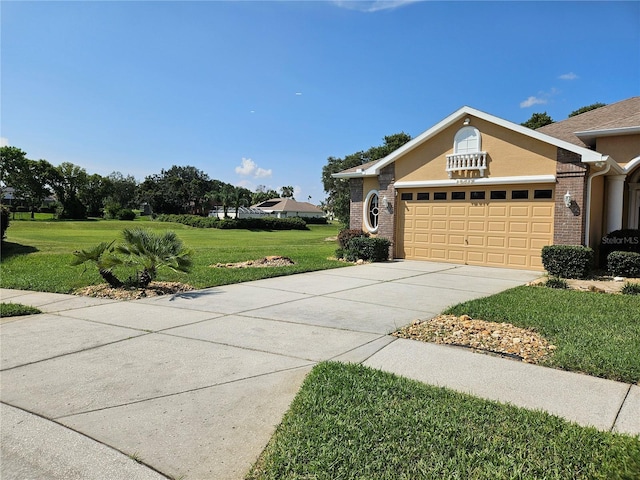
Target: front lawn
(595,333)
(350,421)
(16,310)
(37,254)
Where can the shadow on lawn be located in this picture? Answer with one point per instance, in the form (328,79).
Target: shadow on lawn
(10,249)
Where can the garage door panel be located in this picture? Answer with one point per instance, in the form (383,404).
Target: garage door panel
(515,242)
(499,232)
(519,211)
(438,224)
(496,227)
(439,238)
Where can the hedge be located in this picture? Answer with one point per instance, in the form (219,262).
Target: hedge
(567,261)
(375,249)
(624,264)
(260,223)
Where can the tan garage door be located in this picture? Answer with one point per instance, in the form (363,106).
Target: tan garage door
(494,226)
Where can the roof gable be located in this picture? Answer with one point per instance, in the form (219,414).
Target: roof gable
(287,205)
(373,168)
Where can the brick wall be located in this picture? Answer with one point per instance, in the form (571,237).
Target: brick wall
(571,176)
(356,186)
(386,219)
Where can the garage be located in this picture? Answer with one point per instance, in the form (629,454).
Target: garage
(502,226)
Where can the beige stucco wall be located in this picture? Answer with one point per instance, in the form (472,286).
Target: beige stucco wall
(622,149)
(509,154)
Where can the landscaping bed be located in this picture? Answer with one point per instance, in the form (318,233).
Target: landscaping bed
(502,338)
(153,290)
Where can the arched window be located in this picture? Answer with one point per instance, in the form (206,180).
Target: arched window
(371,211)
(467,140)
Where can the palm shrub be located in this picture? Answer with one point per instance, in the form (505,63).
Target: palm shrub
(105,263)
(144,250)
(150,251)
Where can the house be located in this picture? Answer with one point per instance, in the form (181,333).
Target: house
(243,212)
(288,207)
(479,190)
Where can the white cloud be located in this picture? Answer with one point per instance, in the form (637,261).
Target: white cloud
(249,168)
(568,76)
(533,101)
(4,142)
(372,5)
(262,173)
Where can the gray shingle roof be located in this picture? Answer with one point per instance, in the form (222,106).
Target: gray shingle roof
(623,114)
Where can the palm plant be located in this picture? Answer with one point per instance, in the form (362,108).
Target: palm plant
(104,262)
(149,251)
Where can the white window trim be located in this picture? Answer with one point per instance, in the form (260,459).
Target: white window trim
(365,213)
(459,133)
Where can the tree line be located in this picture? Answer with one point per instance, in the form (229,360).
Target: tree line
(78,194)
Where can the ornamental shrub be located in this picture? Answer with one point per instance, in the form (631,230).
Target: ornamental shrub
(624,264)
(344,236)
(4,220)
(567,261)
(631,289)
(375,249)
(126,214)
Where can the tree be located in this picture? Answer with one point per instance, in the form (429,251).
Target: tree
(177,190)
(593,106)
(124,190)
(538,120)
(29,178)
(241,197)
(94,192)
(286,191)
(262,195)
(338,189)
(67,180)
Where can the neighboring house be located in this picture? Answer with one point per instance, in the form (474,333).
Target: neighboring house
(243,212)
(288,207)
(479,190)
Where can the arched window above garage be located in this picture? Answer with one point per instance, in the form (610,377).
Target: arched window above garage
(467,152)
(467,140)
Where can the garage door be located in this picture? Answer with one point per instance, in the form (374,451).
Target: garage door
(495,226)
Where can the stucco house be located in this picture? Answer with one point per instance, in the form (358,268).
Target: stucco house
(288,207)
(479,190)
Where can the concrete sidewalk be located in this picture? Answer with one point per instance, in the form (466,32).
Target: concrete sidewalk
(193,385)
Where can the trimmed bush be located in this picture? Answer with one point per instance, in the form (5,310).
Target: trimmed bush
(345,236)
(375,249)
(624,264)
(126,214)
(567,261)
(4,220)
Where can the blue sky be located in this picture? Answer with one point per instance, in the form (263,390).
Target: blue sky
(261,93)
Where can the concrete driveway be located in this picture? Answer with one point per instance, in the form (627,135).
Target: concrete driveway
(193,385)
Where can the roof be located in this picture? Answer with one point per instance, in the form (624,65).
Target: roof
(372,169)
(287,205)
(618,118)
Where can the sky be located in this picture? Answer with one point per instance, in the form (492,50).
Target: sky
(262,93)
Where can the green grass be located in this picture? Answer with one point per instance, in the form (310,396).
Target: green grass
(37,254)
(598,334)
(16,310)
(352,422)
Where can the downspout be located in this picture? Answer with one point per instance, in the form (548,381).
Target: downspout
(587,226)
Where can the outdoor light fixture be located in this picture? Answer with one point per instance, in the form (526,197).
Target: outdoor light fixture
(567,199)
(385,202)
(466,121)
